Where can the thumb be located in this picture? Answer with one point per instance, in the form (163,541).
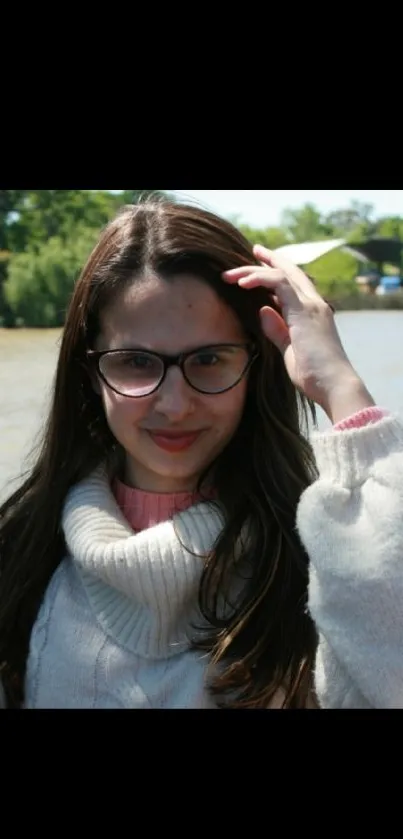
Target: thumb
(275,328)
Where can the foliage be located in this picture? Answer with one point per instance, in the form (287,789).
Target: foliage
(40,282)
(270,237)
(305,224)
(46,236)
(44,213)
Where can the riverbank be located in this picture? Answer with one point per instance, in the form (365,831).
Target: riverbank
(367,302)
(348,303)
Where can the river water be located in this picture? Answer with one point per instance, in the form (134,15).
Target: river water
(373,340)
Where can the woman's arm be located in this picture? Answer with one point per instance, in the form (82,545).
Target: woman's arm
(350,519)
(351,523)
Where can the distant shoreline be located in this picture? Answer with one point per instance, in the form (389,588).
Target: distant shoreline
(347,303)
(367,302)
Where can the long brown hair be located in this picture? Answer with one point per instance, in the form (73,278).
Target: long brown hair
(265,640)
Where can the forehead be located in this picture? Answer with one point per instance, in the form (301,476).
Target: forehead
(168,315)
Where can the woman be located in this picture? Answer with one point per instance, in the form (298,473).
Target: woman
(178,543)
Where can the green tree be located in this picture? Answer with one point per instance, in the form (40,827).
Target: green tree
(390,226)
(41,214)
(269,237)
(305,224)
(354,222)
(40,282)
(48,231)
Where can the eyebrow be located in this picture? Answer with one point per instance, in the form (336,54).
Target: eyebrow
(193,348)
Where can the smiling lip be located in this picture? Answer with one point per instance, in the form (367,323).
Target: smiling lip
(174,441)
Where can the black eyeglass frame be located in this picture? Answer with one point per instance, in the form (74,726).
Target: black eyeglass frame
(168,361)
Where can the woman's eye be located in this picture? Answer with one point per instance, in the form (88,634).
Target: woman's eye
(206,359)
(139,362)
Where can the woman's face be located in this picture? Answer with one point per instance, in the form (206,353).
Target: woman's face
(170,317)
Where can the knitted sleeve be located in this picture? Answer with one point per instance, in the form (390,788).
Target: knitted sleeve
(351,523)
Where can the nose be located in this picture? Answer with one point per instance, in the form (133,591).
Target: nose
(174,398)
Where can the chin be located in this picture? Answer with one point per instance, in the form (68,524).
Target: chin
(181,468)
(179,473)
(173,469)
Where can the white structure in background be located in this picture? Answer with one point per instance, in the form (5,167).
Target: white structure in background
(306,252)
(370,280)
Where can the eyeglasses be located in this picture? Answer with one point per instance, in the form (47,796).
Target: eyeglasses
(211,369)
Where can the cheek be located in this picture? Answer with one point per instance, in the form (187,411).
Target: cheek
(228,409)
(121,411)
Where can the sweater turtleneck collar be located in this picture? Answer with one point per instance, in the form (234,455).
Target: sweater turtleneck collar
(143,587)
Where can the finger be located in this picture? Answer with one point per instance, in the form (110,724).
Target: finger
(292,271)
(265,279)
(251,276)
(235,274)
(289,296)
(275,328)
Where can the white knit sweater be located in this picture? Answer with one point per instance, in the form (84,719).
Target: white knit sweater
(114,625)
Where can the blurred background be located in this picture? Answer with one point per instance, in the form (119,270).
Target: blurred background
(352,249)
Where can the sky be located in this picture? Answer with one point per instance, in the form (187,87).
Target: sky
(263,207)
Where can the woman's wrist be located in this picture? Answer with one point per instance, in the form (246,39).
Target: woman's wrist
(348,397)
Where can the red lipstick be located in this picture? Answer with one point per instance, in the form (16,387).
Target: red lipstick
(174,441)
